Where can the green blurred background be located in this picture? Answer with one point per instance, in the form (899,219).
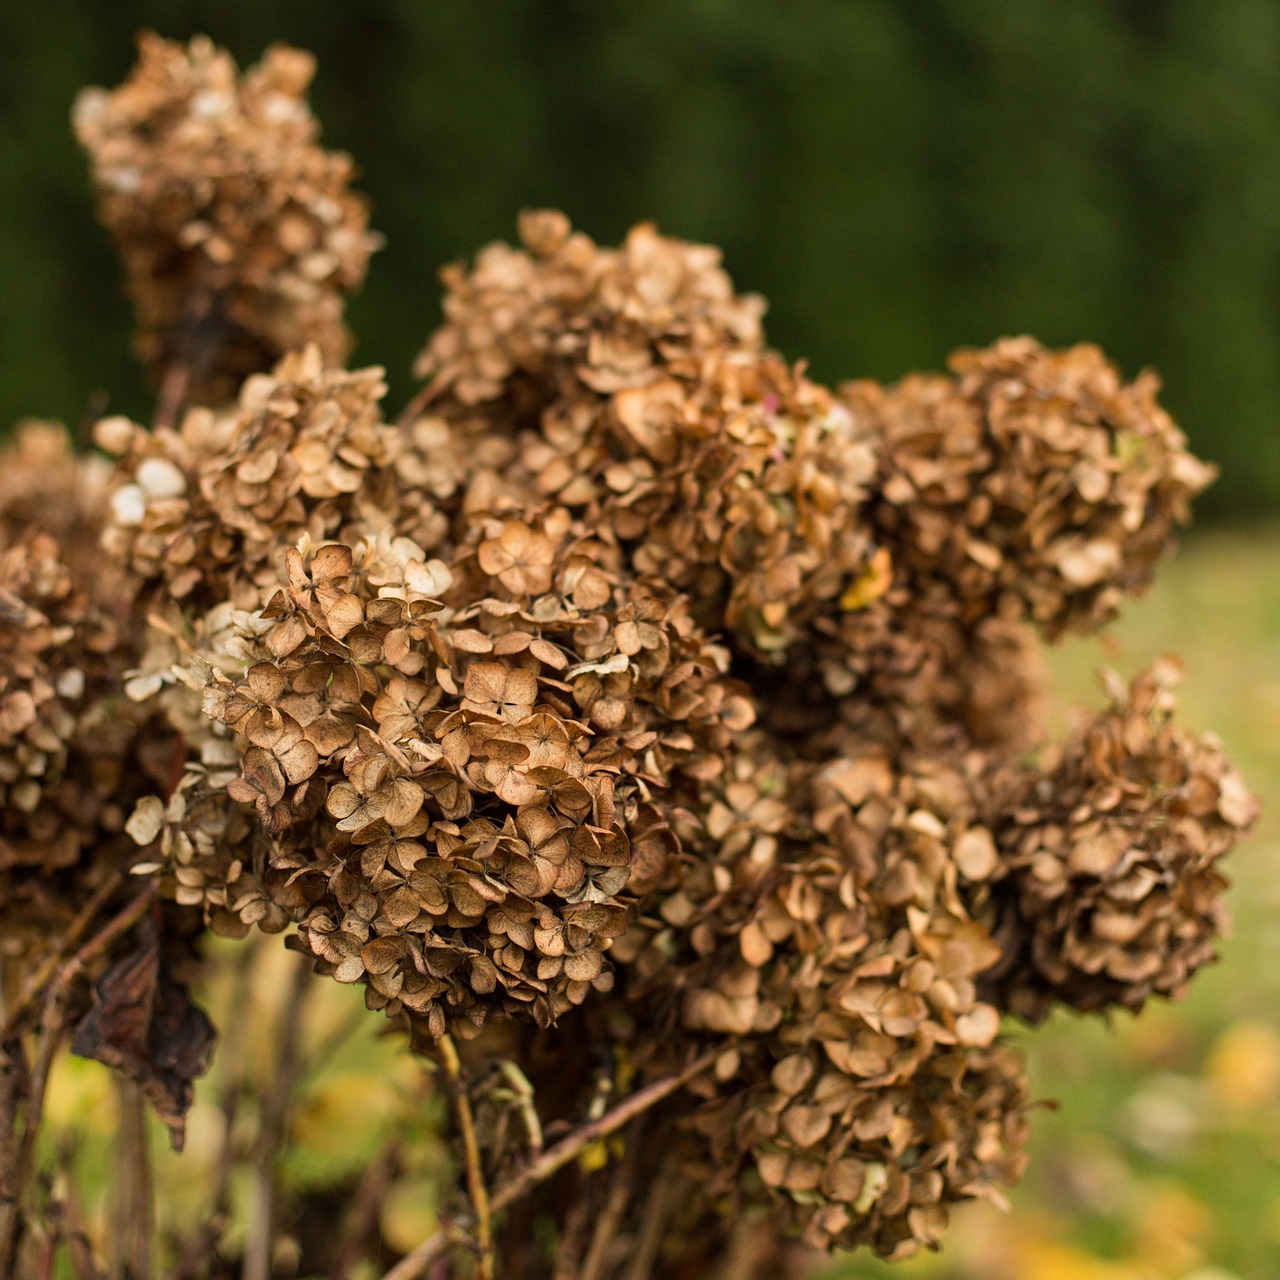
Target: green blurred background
(899,177)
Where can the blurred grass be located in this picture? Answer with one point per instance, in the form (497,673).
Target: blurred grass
(1163,1160)
(1162,1163)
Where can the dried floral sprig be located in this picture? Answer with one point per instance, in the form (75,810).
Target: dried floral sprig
(1114,857)
(239,234)
(1032,484)
(630,702)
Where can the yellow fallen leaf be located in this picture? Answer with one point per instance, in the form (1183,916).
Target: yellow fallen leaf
(79,1096)
(1243,1069)
(594,1157)
(344,1112)
(1046,1260)
(1172,1227)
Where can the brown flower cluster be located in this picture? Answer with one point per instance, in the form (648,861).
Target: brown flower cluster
(630,684)
(658,410)
(442,759)
(1032,484)
(488,758)
(1113,857)
(826,916)
(239,234)
(203,513)
(631,700)
(71,763)
(836,898)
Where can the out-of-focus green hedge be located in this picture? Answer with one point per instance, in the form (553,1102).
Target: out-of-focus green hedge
(898,176)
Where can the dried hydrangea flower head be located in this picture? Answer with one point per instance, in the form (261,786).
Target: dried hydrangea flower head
(67,638)
(1113,857)
(822,919)
(657,410)
(850,1159)
(446,760)
(46,485)
(240,236)
(562,304)
(71,764)
(201,514)
(1031,484)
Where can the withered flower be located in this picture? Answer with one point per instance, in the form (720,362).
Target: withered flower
(239,234)
(632,680)
(1033,484)
(1114,857)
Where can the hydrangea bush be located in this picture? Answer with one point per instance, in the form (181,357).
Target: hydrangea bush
(626,699)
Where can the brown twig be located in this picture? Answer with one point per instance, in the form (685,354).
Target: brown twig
(525,1103)
(135,1209)
(173,391)
(413,410)
(49,966)
(365,1203)
(606,1228)
(13,1066)
(662,1199)
(257,1257)
(555,1158)
(188,350)
(53,1027)
(231,1053)
(75,1235)
(477,1188)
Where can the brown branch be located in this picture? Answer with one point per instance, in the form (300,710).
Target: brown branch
(189,350)
(106,937)
(13,1066)
(569,1246)
(413,410)
(75,1235)
(555,1158)
(53,1028)
(477,1189)
(662,1199)
(525,1103)
(173,391)
(615,1206)
(362,1221)
(135,1209)
(257,1257)
(200,1244)
(49,966)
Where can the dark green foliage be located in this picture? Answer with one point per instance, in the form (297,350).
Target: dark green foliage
(898,178)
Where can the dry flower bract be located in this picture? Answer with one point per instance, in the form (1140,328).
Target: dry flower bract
(240,236)
(1114,857)
(630,701)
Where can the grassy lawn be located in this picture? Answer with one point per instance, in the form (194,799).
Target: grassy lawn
(1163,1161)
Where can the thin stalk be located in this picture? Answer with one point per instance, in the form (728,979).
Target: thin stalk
(554,1159)
(477,1189)
(257,1258)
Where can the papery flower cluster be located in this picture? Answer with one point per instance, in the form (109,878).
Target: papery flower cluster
(239,234)
(630,686)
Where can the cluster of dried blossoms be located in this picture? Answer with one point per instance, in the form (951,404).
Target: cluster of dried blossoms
(239,234)
(630,688)
(72,762)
